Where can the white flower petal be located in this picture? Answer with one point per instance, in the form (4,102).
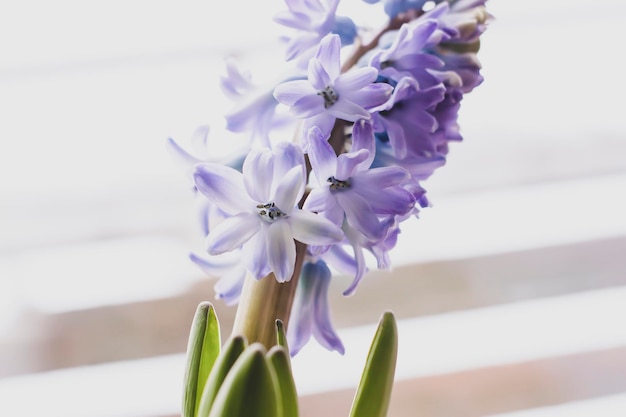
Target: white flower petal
(257,174)
(287,191)
(346,110)
(289,92)
(281,250)
(254,254)
(232,233)
(223,186)
(313,229)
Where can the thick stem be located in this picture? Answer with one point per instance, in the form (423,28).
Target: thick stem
(264,301)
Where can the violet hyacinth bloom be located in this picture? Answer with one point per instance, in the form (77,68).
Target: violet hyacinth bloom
(262,205)
(310,315)
(348,187)
(406,119)
(328,94)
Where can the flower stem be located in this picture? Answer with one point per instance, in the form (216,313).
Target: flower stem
(264,301)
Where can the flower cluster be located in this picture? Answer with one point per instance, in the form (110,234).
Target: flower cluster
(370,127)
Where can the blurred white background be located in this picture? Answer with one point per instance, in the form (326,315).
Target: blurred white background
(514,280)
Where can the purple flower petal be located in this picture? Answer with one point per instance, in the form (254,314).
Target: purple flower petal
(346,110)
(313,229)
(321,154)
(232,233)
(281,250)
(308,106)
(318,76)
(323,329)
(347,163)
(360,215)
(370,96)
(383,177)
(223,186)
(355,79)
(328,54)
(363,138)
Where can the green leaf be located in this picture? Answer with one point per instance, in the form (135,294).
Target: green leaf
(202,350)
(281,336)
(231,351)
(279,358)
(374,391)
(250,388)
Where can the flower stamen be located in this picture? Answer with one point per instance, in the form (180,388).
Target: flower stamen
(336,184)
(269,212)
(329,95)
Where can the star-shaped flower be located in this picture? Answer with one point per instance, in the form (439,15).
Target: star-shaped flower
(262,205)
(328,94)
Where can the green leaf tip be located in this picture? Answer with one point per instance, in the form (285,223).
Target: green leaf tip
(281,335)
(250,388)
(374,391)
(279,358)
(233,348)
(202,350)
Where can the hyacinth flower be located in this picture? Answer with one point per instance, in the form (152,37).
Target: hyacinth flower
(347,187)
(328,94)
(312,20)
(262,204)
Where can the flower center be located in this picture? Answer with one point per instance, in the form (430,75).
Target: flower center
(269,212)
(336,184)
(329,95)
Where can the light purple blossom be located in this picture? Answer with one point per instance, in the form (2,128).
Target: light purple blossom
(406,118)
(310,315)
(347,187)
(262,205)
(312,20)
(328,94)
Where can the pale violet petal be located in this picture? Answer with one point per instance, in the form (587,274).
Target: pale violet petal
(301,321)
(286,156)
(313,229)
(258,169)
(323,329)
(232,233)
(346,110)
(287,191)
(319,199)
(289,92)
(213,266)
(383,177)
(324,121)
(307,106)
(360,215)
(363,138)
(254,254)
(281,250)
(355,79)
(347,163)
(223,186)
(318,77)
(321,154)
(371,96)
(228,287)
(328,53)
(361,268)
